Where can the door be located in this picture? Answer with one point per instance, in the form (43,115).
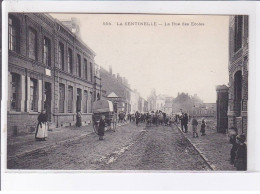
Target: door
(47,102)
(78,103)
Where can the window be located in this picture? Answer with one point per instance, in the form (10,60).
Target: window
(78,100)
(85,108)
(238,32)
(62,98)
(79,65)
(14,88)
(13,34)
(91,72)
(61,56)
(32,43)
(91,101)
(70,98)
(47,51)
(86,69)
(33,93)
(70,67)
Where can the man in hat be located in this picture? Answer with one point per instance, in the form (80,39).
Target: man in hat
(241,154)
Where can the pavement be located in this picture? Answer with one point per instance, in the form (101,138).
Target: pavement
(214,147)
(131,147)
(24,145)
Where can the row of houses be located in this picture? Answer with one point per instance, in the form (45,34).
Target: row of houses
(51,68)
(192,105)
(232,100)
(117,89)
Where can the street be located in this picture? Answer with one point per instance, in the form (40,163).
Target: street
(131,147)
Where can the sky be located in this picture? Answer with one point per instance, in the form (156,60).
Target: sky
(171,59)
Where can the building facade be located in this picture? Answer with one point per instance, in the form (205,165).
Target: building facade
(152,101)
(49,68)
(238,72)
(134,101)
(116,89)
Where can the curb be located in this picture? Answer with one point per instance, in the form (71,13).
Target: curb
(209,164)
(47,147)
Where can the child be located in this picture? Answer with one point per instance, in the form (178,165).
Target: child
(203,127)
(241,154)
(232,140)
(194,127)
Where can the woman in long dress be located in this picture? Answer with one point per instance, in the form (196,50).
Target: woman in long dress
(101,127)
(78,119)
(42,127)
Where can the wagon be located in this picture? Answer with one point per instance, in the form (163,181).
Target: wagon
(104,107)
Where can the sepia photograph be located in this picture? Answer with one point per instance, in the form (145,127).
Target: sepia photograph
(127,92)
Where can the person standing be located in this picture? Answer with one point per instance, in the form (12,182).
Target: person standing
(241,154)
(78,119)
(182,121)
(233,141)
(185,122)
(203,128)
(137,118)
(42,127)
(101,127)
(194,127)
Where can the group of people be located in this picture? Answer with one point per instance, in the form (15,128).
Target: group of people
(150,118)
(184,118)
(238,152)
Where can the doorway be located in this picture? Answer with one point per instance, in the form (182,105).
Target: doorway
(47,97)
(78,102)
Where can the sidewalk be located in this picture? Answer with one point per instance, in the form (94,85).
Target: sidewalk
(214,147)
(23,145)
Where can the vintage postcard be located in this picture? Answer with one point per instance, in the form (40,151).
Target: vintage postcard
(127,92)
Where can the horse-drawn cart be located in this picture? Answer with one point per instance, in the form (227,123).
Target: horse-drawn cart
(104,107)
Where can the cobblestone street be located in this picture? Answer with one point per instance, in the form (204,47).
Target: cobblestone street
(214,147)
(129,148)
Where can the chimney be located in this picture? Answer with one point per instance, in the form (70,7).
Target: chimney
(110,69)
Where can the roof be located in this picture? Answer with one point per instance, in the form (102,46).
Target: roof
(102,106)
(112,95)
(111,85)
(221,87)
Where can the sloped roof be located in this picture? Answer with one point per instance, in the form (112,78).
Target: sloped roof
(111,85)
(112,95)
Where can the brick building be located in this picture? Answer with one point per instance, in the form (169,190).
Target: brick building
(116,89)
(50,68)
(238,72)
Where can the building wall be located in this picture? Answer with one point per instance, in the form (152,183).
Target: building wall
(111,83)
(238,62)
(22,119)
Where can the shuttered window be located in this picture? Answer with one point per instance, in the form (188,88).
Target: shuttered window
(62,98)
(85,107)
(33,95)
(32,43)
(70,99)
